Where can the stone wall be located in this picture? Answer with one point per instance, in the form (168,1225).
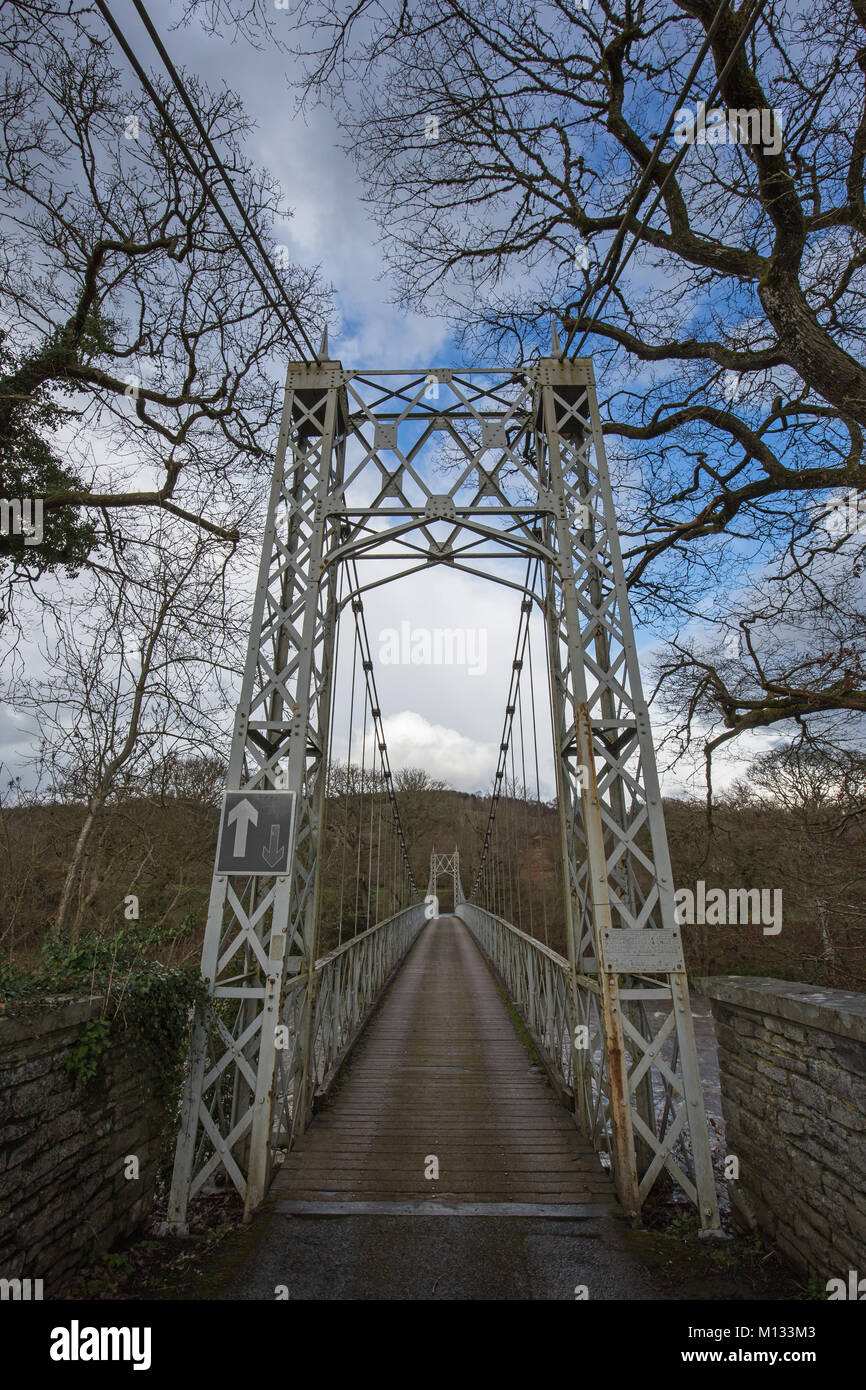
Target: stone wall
(793,1078)
(63,1193)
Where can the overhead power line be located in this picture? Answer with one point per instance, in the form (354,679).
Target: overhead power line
(610,261)
(307,352)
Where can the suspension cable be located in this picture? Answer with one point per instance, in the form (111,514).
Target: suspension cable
(538,790)
(514,856)
(510,707)
(373,775)
(361,805)
(378,728)
(378,848)
(526,840)
(348,784)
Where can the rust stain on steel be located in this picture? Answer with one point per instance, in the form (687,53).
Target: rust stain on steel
(441,1071)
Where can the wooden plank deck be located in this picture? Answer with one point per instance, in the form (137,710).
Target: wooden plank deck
(441,1070)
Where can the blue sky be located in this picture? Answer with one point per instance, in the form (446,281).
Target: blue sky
(445,718)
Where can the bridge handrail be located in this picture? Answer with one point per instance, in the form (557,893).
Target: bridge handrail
(532,941)
(537,981)
(346,984)
(352,943)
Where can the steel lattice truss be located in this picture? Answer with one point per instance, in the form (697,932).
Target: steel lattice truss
(383,475)
(449,865)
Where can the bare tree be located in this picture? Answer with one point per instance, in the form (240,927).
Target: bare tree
(500,145)
(824,796)
(790,650)
(137,351)
(135,678)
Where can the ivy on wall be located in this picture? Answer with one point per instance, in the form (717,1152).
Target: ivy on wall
(139,1003)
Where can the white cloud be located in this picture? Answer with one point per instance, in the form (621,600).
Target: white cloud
(448,696)
(442,752)
(330,226)
(441,717)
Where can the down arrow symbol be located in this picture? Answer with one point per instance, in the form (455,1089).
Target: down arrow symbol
(273,851)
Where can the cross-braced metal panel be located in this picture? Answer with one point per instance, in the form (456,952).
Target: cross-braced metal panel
(262,931)
(631,991)
(449,865)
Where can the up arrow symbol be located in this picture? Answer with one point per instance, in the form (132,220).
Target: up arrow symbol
(242,817)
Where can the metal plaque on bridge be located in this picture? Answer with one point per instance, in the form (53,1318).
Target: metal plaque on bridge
(639,951)
(256,832)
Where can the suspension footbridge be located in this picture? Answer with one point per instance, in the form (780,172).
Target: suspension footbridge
(500,474)
(441,1109)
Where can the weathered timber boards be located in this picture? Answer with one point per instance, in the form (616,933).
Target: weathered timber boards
(441,1072)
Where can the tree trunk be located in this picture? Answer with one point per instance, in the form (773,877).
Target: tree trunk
(76,864)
